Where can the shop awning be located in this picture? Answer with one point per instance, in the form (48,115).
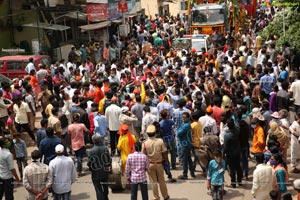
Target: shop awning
(74,15)
(117,21)
(54,27)
(95,26)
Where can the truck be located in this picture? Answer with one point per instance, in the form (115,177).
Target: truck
(207,18)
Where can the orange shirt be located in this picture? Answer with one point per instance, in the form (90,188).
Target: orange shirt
(259,141)
(33,81)
(106,88)
(106,53)
(98,95)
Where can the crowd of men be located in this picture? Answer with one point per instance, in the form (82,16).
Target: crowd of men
(149,101)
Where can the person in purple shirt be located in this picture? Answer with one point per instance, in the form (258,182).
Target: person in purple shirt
(272,100)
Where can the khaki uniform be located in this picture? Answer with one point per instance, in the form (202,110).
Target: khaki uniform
(153,148)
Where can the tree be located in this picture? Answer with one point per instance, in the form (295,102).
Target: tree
(292,25)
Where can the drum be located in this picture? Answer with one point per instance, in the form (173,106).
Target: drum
(117,179)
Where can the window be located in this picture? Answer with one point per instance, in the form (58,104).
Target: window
(183,5)
(14,65)
(208,17)
(45,62)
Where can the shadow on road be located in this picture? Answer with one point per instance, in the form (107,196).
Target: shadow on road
(81,196)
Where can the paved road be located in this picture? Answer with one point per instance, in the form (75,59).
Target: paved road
(192,189)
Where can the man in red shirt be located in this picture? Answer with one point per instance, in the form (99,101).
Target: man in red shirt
(217,112)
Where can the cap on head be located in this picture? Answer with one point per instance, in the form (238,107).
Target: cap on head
(123,129)
(151,129)
(124,109)
(59,148)
(209,109)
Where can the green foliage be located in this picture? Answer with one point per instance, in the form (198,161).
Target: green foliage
(292,26)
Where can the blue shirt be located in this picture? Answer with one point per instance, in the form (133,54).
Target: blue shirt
(101,125)
(177,116)
(6,164)
(280,176)
(20,148)
(47,148)
(216,173)
(184,134)
(283,75)
(266,83)
(166,127)
(40,134)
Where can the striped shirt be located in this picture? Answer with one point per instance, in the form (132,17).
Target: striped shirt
(136,167)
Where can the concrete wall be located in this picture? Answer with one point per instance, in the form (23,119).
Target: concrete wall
(29,33)
(150,6)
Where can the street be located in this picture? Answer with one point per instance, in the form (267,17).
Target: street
(191,189)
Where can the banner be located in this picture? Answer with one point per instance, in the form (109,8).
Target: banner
(122,6)
(97,12)
(113,12)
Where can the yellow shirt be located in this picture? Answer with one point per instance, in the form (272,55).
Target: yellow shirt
(123,146)
(196,134)
(258,41)
(101,106)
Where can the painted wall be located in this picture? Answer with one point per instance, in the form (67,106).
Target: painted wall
(151,7)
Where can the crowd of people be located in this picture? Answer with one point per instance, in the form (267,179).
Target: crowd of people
(147,102)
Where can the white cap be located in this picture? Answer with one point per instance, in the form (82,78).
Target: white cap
(59,148)
(296,184)
(124,109)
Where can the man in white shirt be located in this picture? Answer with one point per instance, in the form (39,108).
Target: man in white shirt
(112,114)
(263,177)
(147,120)
(295,91)
(63,173)
(84,67)
(209,124)
(22,111)
(30,66)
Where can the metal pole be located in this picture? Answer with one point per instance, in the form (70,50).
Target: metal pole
(38,28)
(283,24)
(66,35)
(189,19)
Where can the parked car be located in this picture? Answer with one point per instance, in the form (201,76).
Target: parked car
(14,66)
